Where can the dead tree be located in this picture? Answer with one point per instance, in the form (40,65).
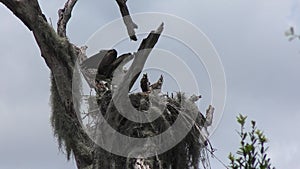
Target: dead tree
(60,55)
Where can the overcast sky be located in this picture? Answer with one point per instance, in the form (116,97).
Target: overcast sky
(262,72)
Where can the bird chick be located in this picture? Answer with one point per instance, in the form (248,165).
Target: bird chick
(144,83)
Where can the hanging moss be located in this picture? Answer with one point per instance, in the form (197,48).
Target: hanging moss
(62,124)
(184,155)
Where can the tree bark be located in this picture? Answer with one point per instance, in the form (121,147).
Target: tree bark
(60,56)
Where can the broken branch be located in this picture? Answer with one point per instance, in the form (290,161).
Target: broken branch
(64,16)
(142,54)
(136,67)
(130,25)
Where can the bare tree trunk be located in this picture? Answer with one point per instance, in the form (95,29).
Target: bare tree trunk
(59,55)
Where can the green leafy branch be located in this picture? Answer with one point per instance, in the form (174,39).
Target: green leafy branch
(252,153)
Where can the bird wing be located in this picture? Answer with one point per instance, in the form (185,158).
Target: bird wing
(121,60)
(106,63)
(94,61)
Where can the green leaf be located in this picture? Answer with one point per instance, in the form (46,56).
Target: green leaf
(241,119)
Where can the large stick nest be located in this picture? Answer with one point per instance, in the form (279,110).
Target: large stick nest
(187,153)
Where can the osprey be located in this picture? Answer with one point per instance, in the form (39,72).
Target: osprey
(100,67)
(145,83)
(94,61)
(101,62)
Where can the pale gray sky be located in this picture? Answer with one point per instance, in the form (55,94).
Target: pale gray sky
(262,72)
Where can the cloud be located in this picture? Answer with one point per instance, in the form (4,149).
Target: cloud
(262,70)
(293,16)
(285,154)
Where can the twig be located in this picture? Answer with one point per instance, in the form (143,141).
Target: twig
(214,156)
(50,20)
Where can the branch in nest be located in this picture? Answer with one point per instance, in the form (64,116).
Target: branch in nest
(64,16)
(130,25)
